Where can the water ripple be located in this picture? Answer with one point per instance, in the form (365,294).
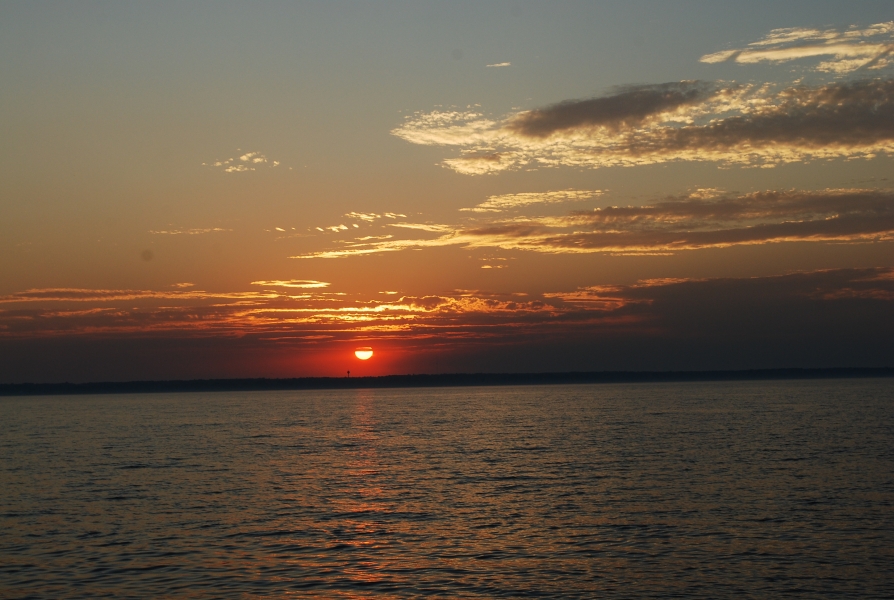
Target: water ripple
(681,490)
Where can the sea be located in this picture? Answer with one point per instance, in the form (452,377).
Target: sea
(654,490)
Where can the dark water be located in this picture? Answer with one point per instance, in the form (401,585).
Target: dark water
(692,490)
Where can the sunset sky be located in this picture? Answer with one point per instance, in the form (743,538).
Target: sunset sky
(211,189)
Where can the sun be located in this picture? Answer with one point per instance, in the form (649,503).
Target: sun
(364,353)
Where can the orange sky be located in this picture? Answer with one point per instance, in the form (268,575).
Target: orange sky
(207,191)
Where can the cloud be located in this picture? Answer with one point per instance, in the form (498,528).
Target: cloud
(703,219)
(423,227)
(363,247)
(439,128)
(293,283)
(695,222)
(100,295)
(746,125)
(482,164)
(369,217)
(628,107)
(250,161)
(510,201)
(502,64)
(365,217)
(198,231)
(821,318)
(849,50)
(253,157)
(805,319)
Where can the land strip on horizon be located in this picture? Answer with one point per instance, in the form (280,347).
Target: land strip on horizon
(432,380)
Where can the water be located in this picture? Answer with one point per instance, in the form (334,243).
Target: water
(694,490)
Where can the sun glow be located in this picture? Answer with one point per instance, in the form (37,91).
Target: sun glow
(364,353)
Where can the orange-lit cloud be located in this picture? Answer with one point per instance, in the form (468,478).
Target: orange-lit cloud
(461,316)
(845,51)
(37,313)
(90,295)
(362,217)
(370,217)
(196,231)
(292,283)
(693,223)
(433,227)
(704,219)
(836,317)
(687,121)
(510,201)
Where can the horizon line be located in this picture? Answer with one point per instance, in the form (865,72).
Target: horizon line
(422,380)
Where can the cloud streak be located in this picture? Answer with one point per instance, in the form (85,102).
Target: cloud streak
(744,125)
(692,223)
(845,51)
(195,231)
(506,202)
(293,283)
(700,220)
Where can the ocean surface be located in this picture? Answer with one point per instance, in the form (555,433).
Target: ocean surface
(696,490)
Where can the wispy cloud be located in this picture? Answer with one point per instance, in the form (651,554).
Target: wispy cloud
(369,217)
(845,51)
(447,128)
(510,201)
(692,223)
(502,64)
(686,121)
(433,227)
(363,218)
(293,283)
(49,313)
(361,248)
(704,219)
(197,231)
(249,161)
(101,295)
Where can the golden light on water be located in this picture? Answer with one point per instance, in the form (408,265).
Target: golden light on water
(364,353)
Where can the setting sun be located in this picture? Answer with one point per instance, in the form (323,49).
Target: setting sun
(364,353)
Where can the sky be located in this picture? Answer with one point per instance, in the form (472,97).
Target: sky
(214,189)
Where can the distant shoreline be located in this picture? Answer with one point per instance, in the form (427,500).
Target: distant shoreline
(426,381)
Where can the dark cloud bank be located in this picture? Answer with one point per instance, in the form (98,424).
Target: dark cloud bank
(628,107)
(681,121)
(837,318)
